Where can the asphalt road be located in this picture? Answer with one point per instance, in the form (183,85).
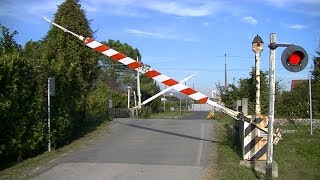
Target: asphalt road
(142,149)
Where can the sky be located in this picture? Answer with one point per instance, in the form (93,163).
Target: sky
(182,37)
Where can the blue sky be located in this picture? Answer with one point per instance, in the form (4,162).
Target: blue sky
(181,37)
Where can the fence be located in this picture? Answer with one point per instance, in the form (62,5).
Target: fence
(119,113)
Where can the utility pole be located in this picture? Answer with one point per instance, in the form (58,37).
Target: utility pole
(225,73)
(138,87)
(192,99)
(180,106)
(128,96)
(164,99)
(271,106)
(135,103)
(49,94)
(310,105)
(186,108)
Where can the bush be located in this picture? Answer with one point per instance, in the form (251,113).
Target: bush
(145,112)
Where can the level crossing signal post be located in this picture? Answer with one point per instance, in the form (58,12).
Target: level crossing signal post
(294,58)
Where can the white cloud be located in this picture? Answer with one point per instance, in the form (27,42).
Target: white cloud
(284,3)
(22,10)
(297,26)
(189,8)
(145,33)
(89,8)
(251,20)
(159,35)
(180,9)
(206,24)
(307,7)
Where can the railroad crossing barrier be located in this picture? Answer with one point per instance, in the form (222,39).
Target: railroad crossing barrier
(251,140)
(157,76)
(254,140)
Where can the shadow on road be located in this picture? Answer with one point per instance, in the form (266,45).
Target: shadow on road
(196,115)
(167,132)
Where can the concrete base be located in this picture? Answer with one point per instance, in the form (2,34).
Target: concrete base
(260,166)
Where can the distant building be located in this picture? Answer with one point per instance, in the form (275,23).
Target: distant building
(295,83)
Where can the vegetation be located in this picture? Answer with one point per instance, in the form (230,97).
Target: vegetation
(297,154)
(30,167)
(289,104)
(295,150)
(247,89)
(226,157)
(85,81)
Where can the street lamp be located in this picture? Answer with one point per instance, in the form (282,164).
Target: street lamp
(257,48)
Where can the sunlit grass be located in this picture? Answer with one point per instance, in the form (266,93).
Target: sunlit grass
(297,154)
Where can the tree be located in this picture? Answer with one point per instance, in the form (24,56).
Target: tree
(247,89)
(21,125)
(7,42)
(148,89)
(118,76)
(75,69)
(114,73)
(295,104)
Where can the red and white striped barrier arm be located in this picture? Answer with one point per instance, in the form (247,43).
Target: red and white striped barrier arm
(156,75)
(138,66)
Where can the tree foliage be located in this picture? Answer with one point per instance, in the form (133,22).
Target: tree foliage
(247,89)
(119,77)
(20,105)
(74,67)
(288,104)
(295,104)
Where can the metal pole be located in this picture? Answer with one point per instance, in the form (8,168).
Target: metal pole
(138,88)
(49,141)
(310,105)
(128,97)
(164,100)
(225,73)
(193,99)
(271,107)
(186,108)
(258,107)
(135,102)
(180,106)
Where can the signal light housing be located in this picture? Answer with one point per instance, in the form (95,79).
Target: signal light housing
(294,58)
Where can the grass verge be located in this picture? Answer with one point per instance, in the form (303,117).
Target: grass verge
(297,154)
(226,160)
(170,114)
(30,167)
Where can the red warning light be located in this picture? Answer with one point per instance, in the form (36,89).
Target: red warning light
(295,58)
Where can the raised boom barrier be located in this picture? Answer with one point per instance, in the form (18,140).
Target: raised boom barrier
(157,76)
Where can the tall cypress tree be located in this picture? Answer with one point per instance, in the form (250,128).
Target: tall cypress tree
(73,65)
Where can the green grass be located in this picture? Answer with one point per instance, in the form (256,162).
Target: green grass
(297,155)
(226,160)
(25,169)
(170,114)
